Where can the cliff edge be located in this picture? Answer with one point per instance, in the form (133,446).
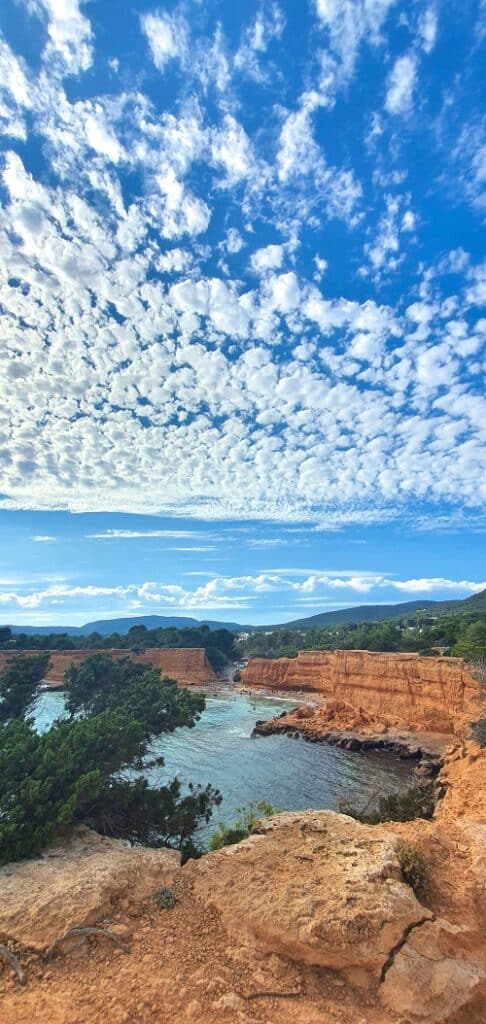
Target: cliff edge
(187,665)
(430,694)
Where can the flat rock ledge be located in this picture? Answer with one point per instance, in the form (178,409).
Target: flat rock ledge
(76,884)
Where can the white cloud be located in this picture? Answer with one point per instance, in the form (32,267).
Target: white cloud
(468,156)
(401,84)
(298,151)
(268,258)
(14,77)
(428,29)
(167,36)
(43,538)
(141,534)
(194,548)
(301,165)
(101,138)
(423,586)
(223,592)
(349,24)
(384,252)
(268,25)
(233,242)
(266,542)
(174,261)
(69,35)
(231,149)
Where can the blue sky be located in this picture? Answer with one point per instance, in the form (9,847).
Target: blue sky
(242,306)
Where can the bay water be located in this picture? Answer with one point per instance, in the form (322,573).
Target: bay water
(290,774)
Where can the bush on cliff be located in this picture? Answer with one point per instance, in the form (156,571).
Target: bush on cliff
(417,801)
(479,731)
(242,827)
(413,866)
(81,769)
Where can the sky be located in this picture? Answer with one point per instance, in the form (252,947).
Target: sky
(242,289)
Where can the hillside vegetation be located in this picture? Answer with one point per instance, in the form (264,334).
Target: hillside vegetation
(461,634)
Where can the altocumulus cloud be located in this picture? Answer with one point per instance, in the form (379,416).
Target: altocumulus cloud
(167,344)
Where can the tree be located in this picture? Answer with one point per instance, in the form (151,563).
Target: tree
(81,769)
(472,643)
(5,635)
(18,683)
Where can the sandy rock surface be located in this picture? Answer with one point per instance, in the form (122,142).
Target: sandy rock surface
(77,883)
(435,976)
(336,898)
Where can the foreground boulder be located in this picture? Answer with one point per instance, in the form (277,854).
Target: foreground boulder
(436,975)
(77,884)
(318,887)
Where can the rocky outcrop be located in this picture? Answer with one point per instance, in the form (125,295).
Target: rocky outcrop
(187,665)
(342,725)
(336,898)
(433,694)
(76,883)
(434,977)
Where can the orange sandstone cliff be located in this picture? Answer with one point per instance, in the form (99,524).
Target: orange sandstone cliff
(433,694)
(184,664)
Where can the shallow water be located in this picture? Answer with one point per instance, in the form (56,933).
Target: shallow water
(291,774)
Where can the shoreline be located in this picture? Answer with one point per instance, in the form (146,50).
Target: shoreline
(406,748)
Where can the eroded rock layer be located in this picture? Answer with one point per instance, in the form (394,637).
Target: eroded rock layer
(185,664)
(433,694)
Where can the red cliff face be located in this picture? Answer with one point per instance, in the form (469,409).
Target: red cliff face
(185,664)
(435,694)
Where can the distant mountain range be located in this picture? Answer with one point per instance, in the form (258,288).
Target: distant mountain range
(378,612)
(107,626)
(360,613)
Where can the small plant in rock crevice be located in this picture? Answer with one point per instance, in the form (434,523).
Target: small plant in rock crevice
(164,898)
(413,866)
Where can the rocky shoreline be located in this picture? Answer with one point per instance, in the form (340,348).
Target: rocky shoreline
(425,750)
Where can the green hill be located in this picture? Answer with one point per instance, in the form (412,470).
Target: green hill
(380,612)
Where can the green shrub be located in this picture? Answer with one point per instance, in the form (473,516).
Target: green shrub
(478,730)
(417,801)
(164,898)
(413,866)
(19,680)
(81,769)
(241,828)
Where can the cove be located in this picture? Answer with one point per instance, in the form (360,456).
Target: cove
(291,774)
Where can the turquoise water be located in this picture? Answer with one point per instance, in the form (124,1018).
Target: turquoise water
(290,774)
